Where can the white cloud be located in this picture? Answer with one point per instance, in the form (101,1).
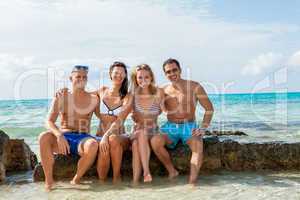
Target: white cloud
(262,63)
(11,65)
(294,60)
(60,34)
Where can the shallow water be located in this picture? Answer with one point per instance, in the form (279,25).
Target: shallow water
(222,185)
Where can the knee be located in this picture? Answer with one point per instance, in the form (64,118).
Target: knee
(92,145)
(142,135)
(114,141)
(157,142)
(45,137)
(196,144)
(134,146)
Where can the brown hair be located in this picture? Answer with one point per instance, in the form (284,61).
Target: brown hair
(134,84)
(171,61)
(124,87)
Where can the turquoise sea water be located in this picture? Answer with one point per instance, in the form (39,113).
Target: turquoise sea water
(264,117)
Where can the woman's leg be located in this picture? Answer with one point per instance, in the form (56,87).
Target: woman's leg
(103,164)
(144,149)
(136,162)
(117,144)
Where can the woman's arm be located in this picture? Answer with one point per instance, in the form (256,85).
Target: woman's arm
(126,109)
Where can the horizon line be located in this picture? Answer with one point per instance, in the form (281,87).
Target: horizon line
(238,93)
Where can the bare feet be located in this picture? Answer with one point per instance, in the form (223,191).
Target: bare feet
(147,178)
(134,183)
(48,186)
(117,180)
(192,182)
(101,181)
(75,181)
(173,174)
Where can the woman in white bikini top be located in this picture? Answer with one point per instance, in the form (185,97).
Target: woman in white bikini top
(114,106)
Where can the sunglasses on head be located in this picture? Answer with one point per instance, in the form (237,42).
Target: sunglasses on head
(80,67)
(172,71)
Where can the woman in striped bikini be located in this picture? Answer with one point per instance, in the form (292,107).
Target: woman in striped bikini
(147,106)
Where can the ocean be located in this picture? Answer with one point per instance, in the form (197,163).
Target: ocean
(264,117)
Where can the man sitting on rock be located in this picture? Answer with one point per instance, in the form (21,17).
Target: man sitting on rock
(181,100)
(75,110)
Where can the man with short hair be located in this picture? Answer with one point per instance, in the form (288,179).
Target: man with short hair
(181,101)
(75,110)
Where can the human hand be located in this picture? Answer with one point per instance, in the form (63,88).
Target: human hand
(198,132)
(61,92)
(104,146)
(63,145)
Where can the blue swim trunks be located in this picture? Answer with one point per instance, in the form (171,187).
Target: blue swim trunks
(176,132)
(74,139)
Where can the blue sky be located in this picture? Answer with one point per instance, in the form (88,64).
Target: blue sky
(229,46)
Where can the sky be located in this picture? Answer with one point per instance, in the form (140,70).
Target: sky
(228,46)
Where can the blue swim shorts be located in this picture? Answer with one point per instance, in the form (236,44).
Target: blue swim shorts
(176,132)
(74,139)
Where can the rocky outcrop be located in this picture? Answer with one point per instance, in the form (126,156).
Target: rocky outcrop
(15,155)
(218,155)
(4,148)
(223,133)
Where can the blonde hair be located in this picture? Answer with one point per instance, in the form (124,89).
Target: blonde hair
(134,84)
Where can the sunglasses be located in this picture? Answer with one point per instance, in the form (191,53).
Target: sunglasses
(172,71)
(80,67)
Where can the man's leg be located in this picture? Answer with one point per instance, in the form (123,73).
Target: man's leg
(158,143)
(136,162)
(87,149)
(117,145)
(196,146)
(103,164)
(48,146)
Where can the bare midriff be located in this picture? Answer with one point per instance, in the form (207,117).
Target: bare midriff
(106,122)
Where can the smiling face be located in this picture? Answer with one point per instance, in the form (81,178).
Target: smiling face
(172,72)
(118,75)
(143,78)
(79,79)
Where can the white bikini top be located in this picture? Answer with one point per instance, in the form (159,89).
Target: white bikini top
(105,109)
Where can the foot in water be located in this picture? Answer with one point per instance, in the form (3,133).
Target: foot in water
(48,187)
(192,182)
(147,178)
(173,174)
(117,180)
(75,181)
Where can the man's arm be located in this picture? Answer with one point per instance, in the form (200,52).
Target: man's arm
(63,146)
(52,117)
(206,104)
(162,96)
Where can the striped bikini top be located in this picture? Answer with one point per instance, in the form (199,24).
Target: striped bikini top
(154,109)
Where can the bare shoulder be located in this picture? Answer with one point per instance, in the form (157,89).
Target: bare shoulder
(94,98)
(165,87)
(102,89)
(160,92)
(128,98)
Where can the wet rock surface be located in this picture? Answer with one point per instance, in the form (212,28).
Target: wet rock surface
(218,155)
(15,155)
